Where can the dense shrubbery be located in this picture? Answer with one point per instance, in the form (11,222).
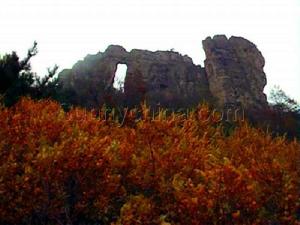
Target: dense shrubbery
(72,167)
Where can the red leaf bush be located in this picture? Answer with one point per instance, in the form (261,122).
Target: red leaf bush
(75,167)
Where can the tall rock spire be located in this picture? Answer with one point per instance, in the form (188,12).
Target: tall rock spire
(235,72)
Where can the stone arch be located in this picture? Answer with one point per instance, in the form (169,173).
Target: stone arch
(112,66)
(119,76)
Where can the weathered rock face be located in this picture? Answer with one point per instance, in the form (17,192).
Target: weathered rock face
(235,73)
(163,77)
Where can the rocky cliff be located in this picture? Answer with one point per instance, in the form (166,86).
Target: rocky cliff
(233,75)
(234,69)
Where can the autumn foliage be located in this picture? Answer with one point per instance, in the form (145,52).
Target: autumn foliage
(76,167)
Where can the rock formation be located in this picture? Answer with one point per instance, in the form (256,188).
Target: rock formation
(233,75)
(234,69)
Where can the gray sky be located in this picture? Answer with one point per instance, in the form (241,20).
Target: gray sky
(68,30)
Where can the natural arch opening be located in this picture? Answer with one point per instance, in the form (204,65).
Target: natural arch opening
(119,78)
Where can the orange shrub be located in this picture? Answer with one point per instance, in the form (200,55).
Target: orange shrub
(74,167)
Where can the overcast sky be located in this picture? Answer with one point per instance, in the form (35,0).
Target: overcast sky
(68,30)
